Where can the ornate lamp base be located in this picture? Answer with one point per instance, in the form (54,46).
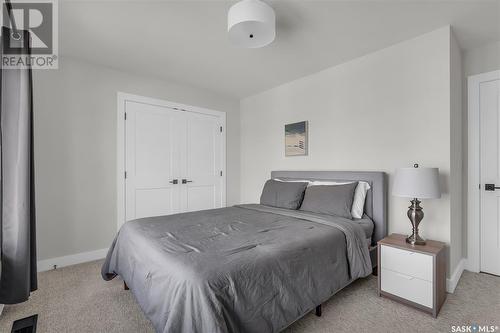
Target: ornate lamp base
(415,214)
(415,240)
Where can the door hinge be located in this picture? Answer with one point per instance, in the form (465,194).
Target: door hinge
(125,115)
(221,129)
(221,173)
(125,174)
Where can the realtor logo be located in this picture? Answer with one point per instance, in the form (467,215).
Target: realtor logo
(30,34)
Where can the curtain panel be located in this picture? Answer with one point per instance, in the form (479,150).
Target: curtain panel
(18,273)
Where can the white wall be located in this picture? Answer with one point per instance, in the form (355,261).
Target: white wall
(75,150)
(485,58)
(382,111)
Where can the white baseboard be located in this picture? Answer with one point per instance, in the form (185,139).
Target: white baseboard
(452,282)
(73,259)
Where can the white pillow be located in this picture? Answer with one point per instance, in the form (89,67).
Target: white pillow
(292,180)
(358,204)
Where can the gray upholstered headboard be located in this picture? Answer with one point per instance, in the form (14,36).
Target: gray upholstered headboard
(376,198)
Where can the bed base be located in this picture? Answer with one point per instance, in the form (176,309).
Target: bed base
(318,311)
(374,259)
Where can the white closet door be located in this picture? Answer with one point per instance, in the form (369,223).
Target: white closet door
(489,94)
(173,160)
(202,163)
(152,160)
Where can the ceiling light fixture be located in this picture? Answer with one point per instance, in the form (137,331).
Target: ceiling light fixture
(251,24)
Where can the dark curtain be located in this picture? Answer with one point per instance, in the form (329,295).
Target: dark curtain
(17,192)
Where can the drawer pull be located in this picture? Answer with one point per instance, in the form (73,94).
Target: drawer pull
(404,276)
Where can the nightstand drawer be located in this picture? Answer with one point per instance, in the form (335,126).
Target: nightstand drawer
(410,263)
(407,287)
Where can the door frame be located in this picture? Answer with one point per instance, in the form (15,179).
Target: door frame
(474,169)
(123,97)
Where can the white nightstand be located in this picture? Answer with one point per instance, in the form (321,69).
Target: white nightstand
(413,275)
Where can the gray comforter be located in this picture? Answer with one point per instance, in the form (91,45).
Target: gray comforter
(247,268)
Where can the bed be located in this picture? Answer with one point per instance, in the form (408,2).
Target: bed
(246,268)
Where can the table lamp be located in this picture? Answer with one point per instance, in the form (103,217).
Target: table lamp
(416,183)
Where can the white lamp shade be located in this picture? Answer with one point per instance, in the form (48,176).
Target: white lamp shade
(420,183)
(251,24)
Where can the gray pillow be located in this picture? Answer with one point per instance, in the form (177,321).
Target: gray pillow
(287,195)
(330,199)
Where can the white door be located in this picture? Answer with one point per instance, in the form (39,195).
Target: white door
(173,160)
(152,157)
(202,180)
(489,101)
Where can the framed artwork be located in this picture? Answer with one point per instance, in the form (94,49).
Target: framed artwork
(296,139)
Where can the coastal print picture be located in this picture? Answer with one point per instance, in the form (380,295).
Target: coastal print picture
(296,139)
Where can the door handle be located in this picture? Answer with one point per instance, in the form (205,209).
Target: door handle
(491,187)
(185,181)
(174,181)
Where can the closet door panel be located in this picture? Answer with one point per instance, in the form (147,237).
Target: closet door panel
(152,160)
(203,162)
(154,202)
(154,148)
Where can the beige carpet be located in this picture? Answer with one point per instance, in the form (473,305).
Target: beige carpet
(76,299)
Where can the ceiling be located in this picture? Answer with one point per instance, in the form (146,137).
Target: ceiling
(186,41)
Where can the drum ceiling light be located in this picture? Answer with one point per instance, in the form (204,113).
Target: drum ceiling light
(251,24)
